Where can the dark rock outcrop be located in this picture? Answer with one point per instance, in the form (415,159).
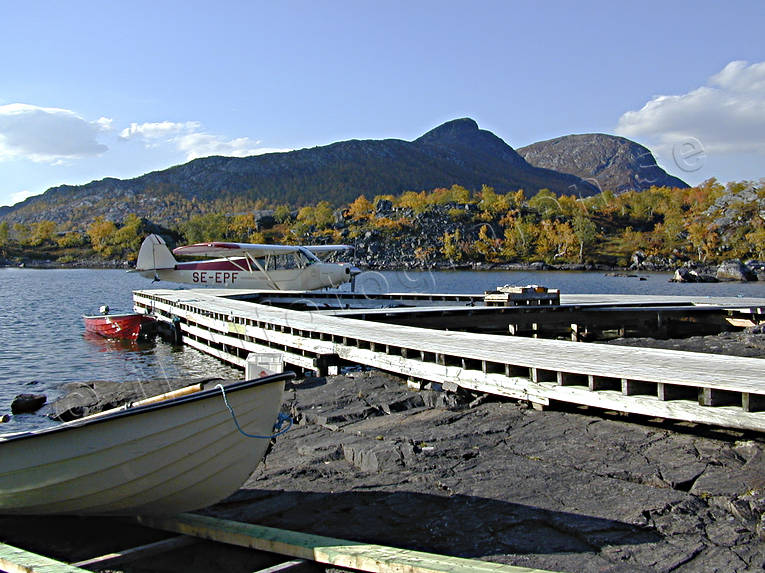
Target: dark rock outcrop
(615,163)
(27,403)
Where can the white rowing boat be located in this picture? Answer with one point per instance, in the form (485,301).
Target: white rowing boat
(161,458)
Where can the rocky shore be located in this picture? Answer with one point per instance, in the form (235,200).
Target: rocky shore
(565,489)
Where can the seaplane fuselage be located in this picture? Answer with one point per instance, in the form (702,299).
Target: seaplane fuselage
(234,273)
(245,266)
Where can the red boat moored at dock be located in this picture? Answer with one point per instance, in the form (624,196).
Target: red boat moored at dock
(128,326)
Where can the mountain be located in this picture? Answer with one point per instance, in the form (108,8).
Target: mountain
(615,163)
(457,152)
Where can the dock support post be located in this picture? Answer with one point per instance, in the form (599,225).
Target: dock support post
(711,397)
(752,402)
(327,364)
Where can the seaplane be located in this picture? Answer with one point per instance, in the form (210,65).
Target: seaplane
(245,265)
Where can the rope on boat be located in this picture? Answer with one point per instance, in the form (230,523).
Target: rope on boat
(278,431)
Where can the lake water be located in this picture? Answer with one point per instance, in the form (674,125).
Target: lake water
(43,344)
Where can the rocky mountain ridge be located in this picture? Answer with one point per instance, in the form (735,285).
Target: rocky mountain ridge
(610,162)
(457,152)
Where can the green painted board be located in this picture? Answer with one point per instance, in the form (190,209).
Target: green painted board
(15,560)
(337,552)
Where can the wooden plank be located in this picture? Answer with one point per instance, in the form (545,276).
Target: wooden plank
(135,553)
(286,566)
(725,416)
(327,550)
(16,560)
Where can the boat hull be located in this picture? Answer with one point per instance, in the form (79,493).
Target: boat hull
(173,456)
(126,326)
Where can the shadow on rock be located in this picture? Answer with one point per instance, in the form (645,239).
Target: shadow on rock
(459,525)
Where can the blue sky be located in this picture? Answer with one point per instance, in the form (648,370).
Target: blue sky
(105,89)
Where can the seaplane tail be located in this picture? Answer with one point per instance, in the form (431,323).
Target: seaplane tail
(154,256)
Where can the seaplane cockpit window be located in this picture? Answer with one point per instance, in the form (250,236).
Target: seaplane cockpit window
(305,258)
(282,261)
(259,263)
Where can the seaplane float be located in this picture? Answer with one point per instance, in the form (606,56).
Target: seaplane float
(245,265)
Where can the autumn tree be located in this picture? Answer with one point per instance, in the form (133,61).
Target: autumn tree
(207,227)
(555,240)
(72,239)
(586,233)
(451,248)
(491,203)
(361,209)
(41,232)
(128,238)
(101,233)
(520,238)
(22,233)
(704,239)
(241,226)
(545,202)
(417,202)
(283,214)
(487,244)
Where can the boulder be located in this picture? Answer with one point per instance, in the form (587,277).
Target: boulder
(383,207)
(734,270)
(26,403)
(686,275)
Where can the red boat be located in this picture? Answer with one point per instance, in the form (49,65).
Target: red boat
(128,326)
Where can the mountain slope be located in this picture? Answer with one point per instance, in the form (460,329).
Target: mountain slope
(616,163)
(457,152)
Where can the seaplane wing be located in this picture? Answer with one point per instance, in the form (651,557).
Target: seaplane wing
(325,250)
(222,249)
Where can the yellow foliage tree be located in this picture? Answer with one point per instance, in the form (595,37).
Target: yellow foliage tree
(555,240)
(101,233)
(361,209)
(452,249)
(241,226)
(42,232)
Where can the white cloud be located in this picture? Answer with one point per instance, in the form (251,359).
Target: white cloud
(188,138)
(19,196)
(161,130)
(725,116)
(48,134)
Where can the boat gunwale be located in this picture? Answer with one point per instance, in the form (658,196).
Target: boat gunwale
(119,315)
(201,395)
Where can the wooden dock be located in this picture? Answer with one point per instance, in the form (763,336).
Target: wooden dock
(299,548)
(710,389)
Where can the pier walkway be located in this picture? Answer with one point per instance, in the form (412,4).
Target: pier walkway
(711,389)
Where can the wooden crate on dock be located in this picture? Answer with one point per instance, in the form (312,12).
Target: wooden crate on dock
(530,295)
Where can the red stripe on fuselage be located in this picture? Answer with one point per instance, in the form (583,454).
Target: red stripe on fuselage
(212,265)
